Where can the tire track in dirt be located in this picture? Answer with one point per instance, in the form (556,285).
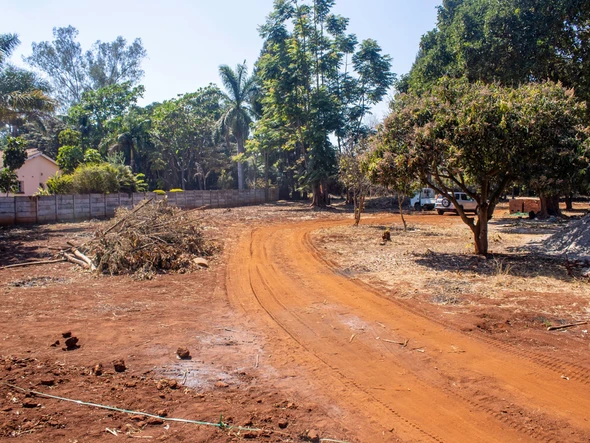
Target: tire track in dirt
(326,363)
(571,370)
(433,410)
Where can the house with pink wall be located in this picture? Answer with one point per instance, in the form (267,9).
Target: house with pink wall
(35,172)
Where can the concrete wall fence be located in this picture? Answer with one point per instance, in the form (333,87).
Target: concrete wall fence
(64,208)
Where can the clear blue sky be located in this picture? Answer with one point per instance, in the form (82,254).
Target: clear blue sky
(187,40)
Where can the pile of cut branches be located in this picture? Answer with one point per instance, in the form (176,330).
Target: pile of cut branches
(152,238)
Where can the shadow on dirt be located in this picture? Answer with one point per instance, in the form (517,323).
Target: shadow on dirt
(531,227)
(528,265)
(19,244)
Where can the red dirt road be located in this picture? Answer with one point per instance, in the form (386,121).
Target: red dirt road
(444,385)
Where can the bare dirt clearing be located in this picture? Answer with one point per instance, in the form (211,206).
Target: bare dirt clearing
(280,341)
(513,295)
(143,323)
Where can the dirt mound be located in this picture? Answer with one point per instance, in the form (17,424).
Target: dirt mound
(572,242)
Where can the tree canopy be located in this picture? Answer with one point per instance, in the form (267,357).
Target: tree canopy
(22,93)
(479,137)
(71,71)
(316,84)
(510,42)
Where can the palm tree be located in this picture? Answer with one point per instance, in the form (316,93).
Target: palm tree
(238,114)
(21,92)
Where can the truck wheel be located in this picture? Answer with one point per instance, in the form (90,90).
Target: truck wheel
(417,206)
(440,211)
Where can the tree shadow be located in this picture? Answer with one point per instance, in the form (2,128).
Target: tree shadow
(527,226)
(24,243)
(524,265)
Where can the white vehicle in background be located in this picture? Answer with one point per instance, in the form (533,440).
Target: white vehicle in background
(443,204)
(423,199)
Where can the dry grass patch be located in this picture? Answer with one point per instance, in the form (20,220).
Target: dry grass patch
(435,264)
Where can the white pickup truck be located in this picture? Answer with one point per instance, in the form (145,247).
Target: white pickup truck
(423,199)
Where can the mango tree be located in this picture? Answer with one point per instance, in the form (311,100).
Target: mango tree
(478,138)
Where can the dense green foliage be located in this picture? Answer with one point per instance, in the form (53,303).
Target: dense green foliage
(478,109)
(13,157)
(240,94)
(311,91)
(478,138)
(509,41)
(22,93)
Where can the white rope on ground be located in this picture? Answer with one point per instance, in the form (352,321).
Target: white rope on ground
(220,425)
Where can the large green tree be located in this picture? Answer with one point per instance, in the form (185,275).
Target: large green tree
(240,90)
(22,94)
(13,157)
(183,131)
(480,137)
(509,41)
(72,71)
(100,113)
(315,85)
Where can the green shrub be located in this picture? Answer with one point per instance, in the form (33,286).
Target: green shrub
(159,192)
(176,190)
(96,179)
(92,156)
(128,182)
(69,157)
(60,184)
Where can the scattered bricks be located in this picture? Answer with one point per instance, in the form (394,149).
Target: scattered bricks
(525,205)
(162,413)
(72,343)
(164,383)
(313,436)
(221,384)
(119,366)
(47,382)
(183,354)
(154,421)
(97,370)
(29,404)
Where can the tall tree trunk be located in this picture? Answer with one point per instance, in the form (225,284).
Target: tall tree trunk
(480,230)
(569,202)
(550,206)
(359,206)
(319,196)
(400,203)
(266,167)
(131,159)
(240,164)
